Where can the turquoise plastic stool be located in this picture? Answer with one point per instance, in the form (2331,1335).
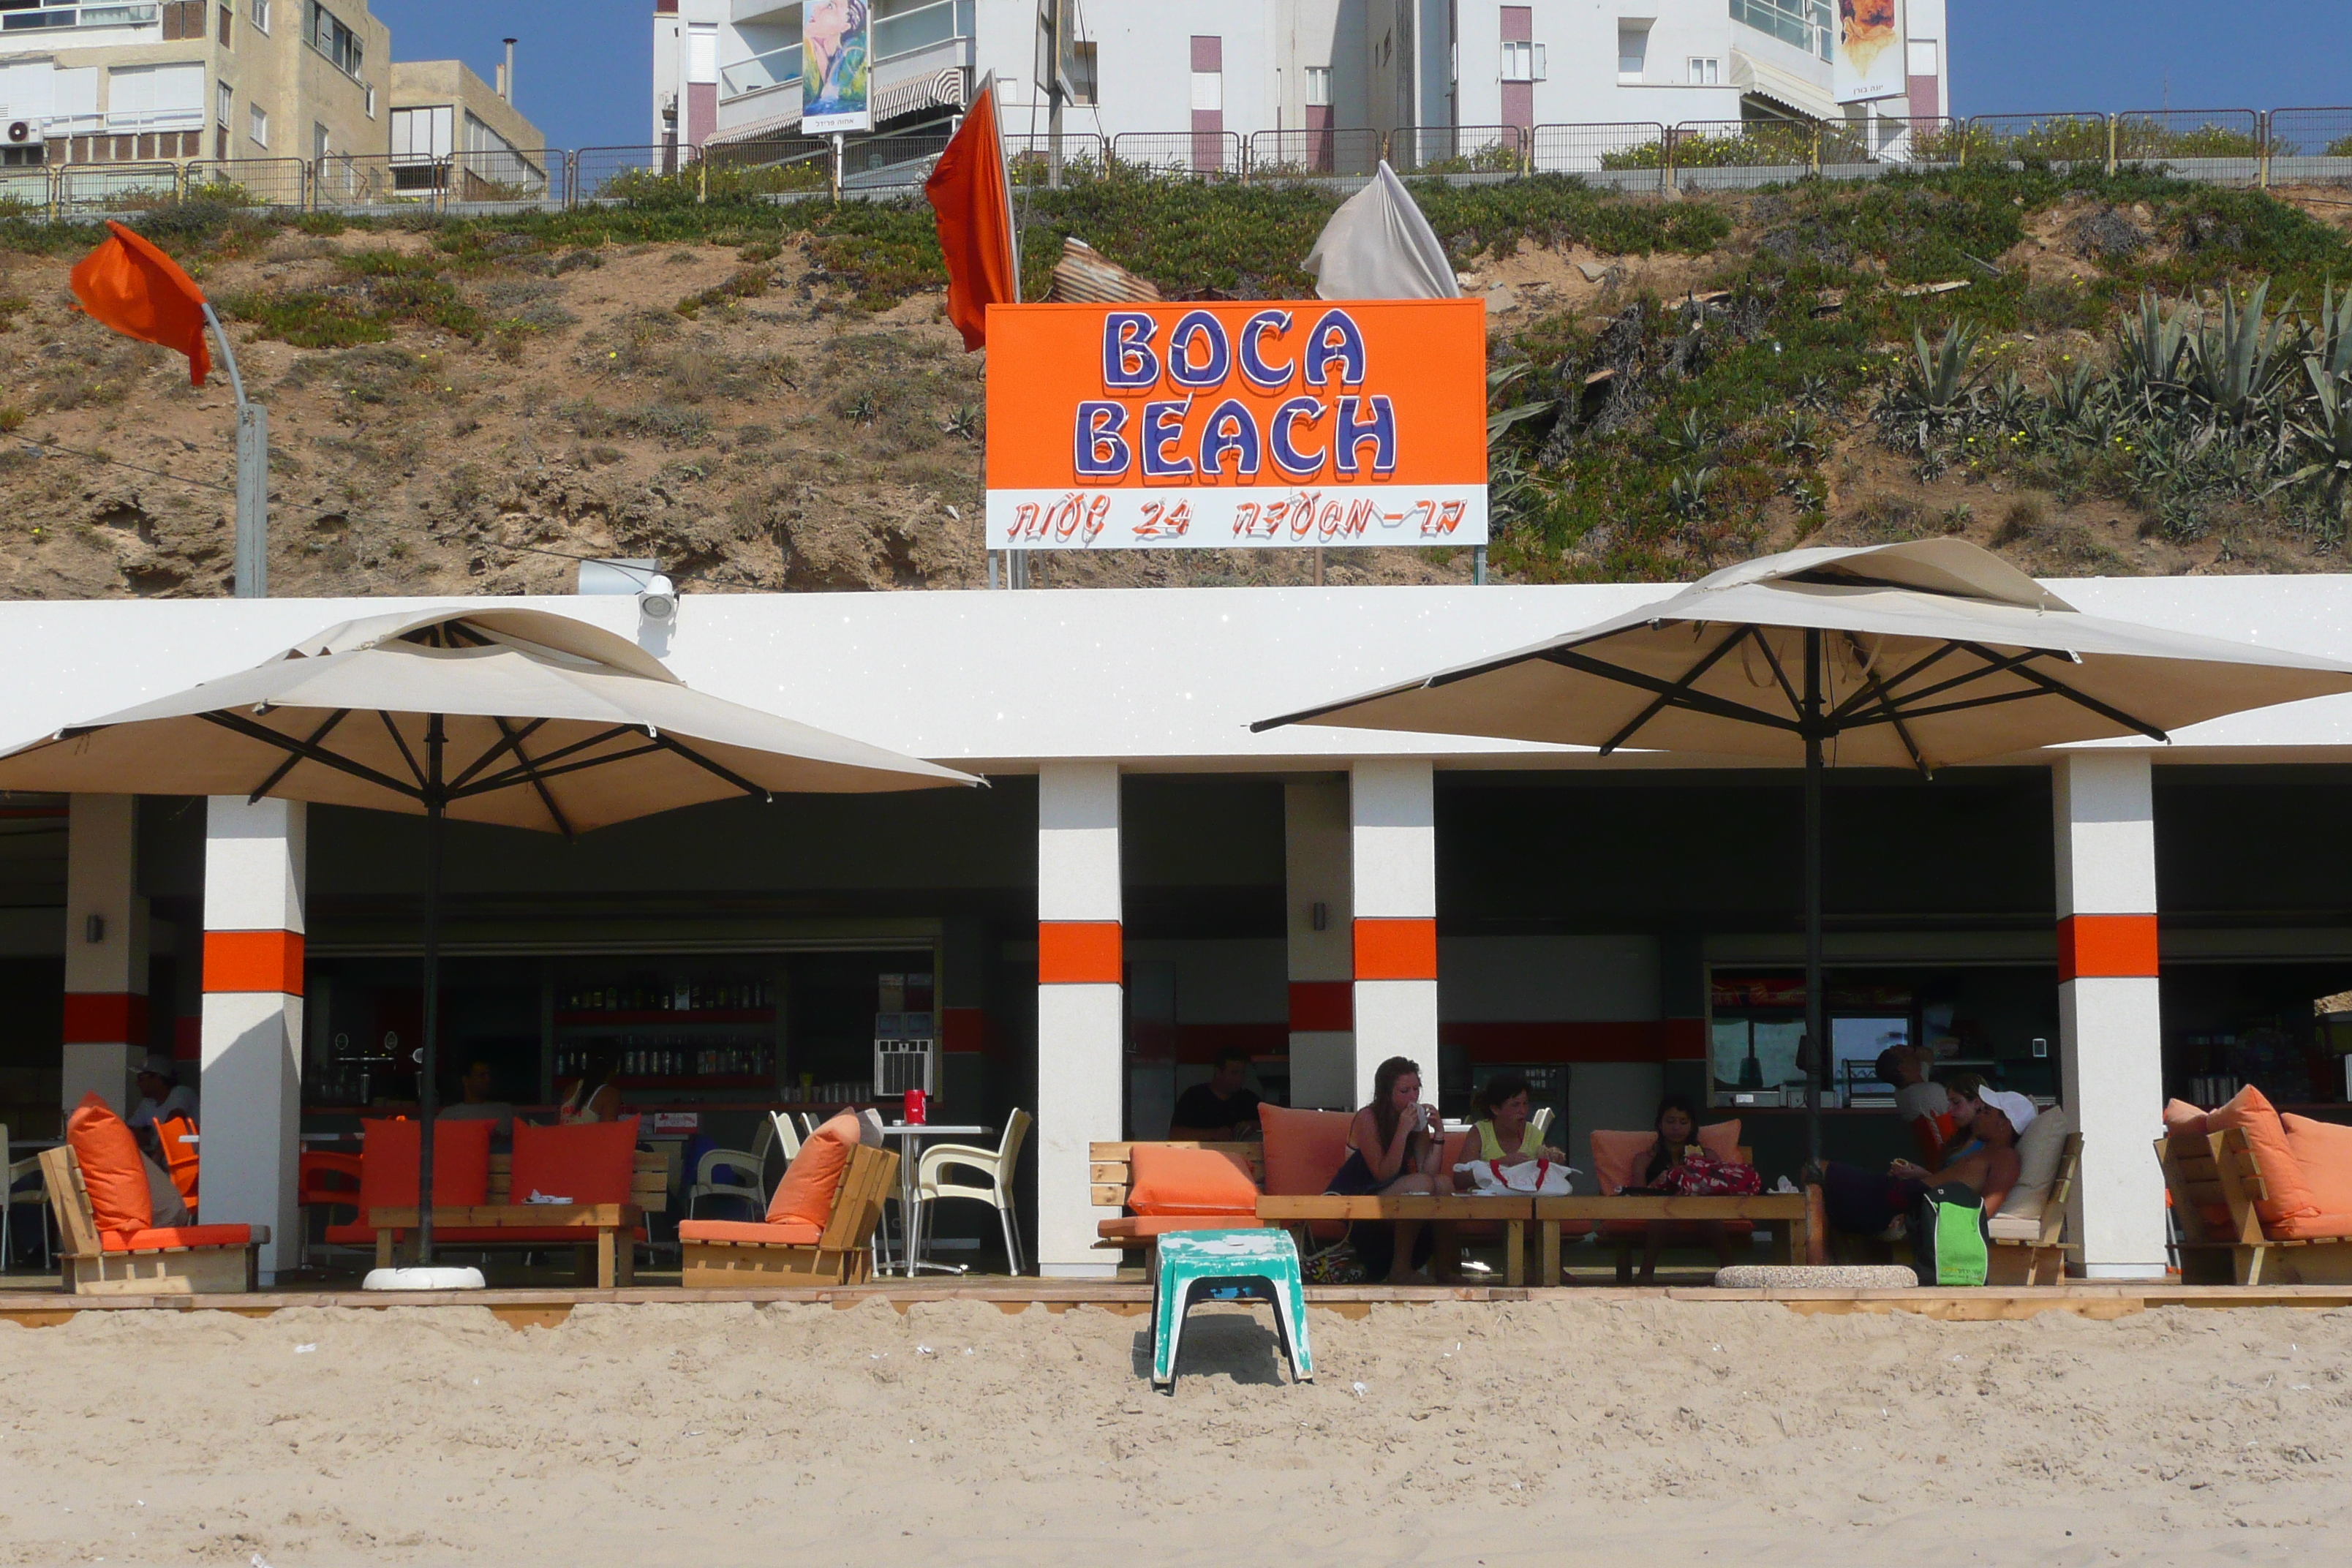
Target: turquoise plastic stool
(1227,1266)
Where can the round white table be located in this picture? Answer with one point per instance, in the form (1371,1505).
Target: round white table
(911,1135)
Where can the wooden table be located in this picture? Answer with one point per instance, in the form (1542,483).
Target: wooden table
(1513,1214)
(1782,1213)
(615,1226)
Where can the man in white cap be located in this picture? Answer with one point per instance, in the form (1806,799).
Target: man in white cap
(1862,1202)
(159,1095)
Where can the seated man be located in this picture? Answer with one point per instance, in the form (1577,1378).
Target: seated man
(1221,1110)
(1861,1203)
(476,1104)
(160,1096)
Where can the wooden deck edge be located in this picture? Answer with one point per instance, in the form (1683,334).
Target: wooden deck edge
(545,1308)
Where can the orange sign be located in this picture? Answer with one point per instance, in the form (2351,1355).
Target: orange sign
(1237,425)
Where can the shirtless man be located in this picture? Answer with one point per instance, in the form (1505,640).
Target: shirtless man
(1991,1167)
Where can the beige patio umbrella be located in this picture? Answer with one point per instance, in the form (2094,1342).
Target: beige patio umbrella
(510,716)
(1918,655)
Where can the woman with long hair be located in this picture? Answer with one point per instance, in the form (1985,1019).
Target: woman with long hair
(1395,1145)
(1676,1126)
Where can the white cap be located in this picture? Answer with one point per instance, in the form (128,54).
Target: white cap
(2012,1104)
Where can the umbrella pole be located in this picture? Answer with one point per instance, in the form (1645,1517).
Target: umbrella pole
(1816,1010)
(428,1071)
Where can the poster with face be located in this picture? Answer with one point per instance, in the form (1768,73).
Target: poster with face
(1868,60)
(836,40)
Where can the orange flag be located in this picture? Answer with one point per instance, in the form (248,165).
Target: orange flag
(973,202)
(142,293)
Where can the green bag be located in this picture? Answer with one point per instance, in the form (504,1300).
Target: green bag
(1955,1243)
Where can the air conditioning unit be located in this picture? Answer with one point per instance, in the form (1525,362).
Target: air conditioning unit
(905,1057)
(24,132)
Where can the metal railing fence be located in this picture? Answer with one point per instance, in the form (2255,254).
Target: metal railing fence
(2222,146)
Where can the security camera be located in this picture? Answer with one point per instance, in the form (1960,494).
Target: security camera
(658,601)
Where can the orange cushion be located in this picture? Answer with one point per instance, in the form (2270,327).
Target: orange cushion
(1304,1149)
(145,1240)
(2323,1150)
(2180,1116)
(2314,1227)
(1165,1181)
(1619,1159)
(2290,1194)
(1138,1227)
(587,1162)
(111,1167)
(805,1193)
(784,1233)
(461,1164)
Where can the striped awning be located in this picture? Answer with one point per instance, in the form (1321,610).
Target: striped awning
(940,90)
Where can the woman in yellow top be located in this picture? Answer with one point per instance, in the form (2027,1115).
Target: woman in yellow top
(1499,1116)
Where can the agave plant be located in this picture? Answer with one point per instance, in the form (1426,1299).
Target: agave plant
(1800,433)
(1687,494)
(2240,372)
(2148,351)
(2331,347)
(1499,380)
(1940,382)
(1693,438)
(2324,434)
(2075,395)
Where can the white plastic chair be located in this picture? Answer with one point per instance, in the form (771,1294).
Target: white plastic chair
(1540,1119)
(755,1162)
(996,1165)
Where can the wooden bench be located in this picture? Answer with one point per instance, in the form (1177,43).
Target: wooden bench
(607,1250)
(843,1253)
(1783,1214)
(89,1268)
(2222,1171)
(1298,1211)
(2041,1259)
(1109,1176)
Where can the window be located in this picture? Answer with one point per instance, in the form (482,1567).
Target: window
(257,124)
(1633,47)
(1208,90)
(224,99)
(326,33)
(259,15)
(156,96)
(371,102)
(1318,87)
(319,145)
(1523,62)
(702,53)
(1922,57)
(227,21)
(1704,71)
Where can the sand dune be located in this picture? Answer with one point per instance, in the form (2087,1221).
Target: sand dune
(1570,1432)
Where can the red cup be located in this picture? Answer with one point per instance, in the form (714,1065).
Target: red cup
(917,1107)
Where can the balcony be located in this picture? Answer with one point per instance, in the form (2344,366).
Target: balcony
(761,73)
(1801,24)
(56,17)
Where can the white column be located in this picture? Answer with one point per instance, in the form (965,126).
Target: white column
(1394,864)
(106,951)
(1080,1028)
(1316,851)
(2109,1028)
(254,874)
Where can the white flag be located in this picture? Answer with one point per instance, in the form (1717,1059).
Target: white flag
(1379,247)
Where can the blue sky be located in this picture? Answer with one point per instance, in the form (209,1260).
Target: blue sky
(584,73)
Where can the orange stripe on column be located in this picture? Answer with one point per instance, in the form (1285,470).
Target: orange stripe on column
(105,1017)
(1079,953)
(1396,949)
(2092,947)
(254,961)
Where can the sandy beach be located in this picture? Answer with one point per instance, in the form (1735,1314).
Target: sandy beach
(956,1434)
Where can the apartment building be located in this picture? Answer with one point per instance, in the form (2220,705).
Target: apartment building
(442,113)
(729,70)
(145,81)
(181,80)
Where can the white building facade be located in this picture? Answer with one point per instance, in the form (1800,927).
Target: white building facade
(1146,884)
(731,68)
